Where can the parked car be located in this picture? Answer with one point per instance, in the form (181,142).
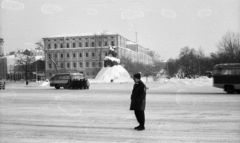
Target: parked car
(209,74)
(2,85)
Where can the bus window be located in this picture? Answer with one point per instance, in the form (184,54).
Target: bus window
(224,72)
(65,77)
(231,72)
(57,77)
(237,71)
(216,72)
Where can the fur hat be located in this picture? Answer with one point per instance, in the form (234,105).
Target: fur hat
(137,75)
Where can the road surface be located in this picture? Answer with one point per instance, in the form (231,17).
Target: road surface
(185,112)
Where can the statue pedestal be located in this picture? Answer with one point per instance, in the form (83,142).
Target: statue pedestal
(111,61)
(113,71)
(113,74)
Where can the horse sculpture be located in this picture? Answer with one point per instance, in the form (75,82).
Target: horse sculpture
(112,51)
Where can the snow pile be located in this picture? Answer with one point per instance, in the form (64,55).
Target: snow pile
(201,81)
(112,59)
(116,73)
(45,83)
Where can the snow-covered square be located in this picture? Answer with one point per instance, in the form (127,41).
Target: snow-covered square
(177,110)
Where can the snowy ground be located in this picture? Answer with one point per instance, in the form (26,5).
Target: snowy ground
(177,111)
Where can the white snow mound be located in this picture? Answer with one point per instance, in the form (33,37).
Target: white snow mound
(45,83)
(116,73)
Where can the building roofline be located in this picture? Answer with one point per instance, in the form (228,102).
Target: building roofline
(79,35)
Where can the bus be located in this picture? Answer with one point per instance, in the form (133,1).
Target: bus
(61,79)
(227,77)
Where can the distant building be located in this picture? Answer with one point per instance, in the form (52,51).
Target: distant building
(85,53)
(35,67)
(7,64)
(142,55)
(10,69)
(1,46)
(35,71)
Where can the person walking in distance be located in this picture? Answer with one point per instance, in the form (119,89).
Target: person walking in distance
(138,101)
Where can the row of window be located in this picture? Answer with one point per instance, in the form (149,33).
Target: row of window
(87,44)
(227,72)
(80,39)
(74,55)
(74,65)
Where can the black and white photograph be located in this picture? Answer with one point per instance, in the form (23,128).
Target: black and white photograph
(119,71)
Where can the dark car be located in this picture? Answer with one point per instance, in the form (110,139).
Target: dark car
(209,74)
(2,85)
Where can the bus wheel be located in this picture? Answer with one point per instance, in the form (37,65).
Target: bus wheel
(230,89)
(57,87)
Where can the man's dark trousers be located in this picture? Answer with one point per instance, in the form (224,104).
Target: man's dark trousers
(140,117)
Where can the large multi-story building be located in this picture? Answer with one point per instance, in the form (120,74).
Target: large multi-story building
(85,53)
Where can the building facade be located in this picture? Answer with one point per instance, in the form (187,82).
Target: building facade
(85,53)
(7,64)
(1,46)
(35,71)
(3,68)
(11,69)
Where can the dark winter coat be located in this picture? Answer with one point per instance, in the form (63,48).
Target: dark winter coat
(69,84)
(138,97)
(85,83)
(81,84)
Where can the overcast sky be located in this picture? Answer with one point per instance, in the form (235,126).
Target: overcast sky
(162,25)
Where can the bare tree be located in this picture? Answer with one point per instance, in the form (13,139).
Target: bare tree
(187,61)
(126,63)
(155,56)
(229,47)
(25,58)
(172,67)
(40,46)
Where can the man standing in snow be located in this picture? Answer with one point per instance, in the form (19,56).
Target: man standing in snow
(138,101)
